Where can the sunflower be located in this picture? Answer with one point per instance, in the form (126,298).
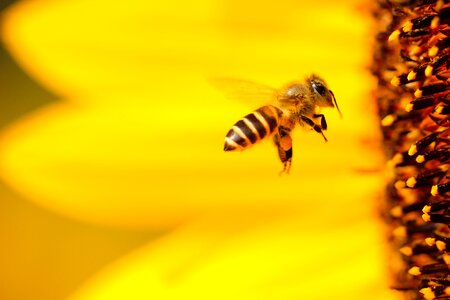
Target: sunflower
(411,65)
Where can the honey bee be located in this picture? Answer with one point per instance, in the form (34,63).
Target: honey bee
(296,103)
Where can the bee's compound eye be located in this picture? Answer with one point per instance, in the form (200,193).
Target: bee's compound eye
(319,88)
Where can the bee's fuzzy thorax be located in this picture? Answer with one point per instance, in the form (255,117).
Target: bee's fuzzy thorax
(411,63)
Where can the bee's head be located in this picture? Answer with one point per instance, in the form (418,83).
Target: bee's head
(322,95)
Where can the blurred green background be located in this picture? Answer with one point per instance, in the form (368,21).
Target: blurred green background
(43,255)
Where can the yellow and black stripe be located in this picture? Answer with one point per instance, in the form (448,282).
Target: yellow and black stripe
(253,128)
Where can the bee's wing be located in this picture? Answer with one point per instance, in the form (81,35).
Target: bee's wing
(246,91)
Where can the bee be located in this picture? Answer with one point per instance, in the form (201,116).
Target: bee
(296,103)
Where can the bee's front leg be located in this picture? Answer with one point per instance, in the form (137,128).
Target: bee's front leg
(283,141)
(314,126)
(323,122)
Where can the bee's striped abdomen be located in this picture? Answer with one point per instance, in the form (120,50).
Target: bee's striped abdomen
(252,128)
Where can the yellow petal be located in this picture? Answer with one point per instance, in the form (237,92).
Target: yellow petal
(226,259)
(142,147)
(145,146)
(143,166)
(101,47)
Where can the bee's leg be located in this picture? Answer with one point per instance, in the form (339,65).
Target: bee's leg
(283,141)
(323,122)
(314,126)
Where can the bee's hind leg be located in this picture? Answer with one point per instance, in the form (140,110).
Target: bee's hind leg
(283,141)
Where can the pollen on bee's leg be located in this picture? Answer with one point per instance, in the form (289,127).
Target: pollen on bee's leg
(412,66)
(286,142)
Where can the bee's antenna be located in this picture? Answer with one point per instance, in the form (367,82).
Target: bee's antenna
(335,103)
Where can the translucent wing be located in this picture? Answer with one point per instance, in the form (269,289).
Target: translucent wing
(255,94)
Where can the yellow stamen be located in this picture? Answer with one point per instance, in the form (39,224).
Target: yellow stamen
(434,190)
(395,81)
(420,159)
(441,245)
(396,211)
(446,258)
(394,35)
(418,93)
(398,158)
(409,107)
(433,51)
(407,251)
(427,293)
(387,121)
(439,109)
(407,26)
(412,150)
(400,232)
(411,182)
(400,184)
(429,70)
(415,271)
(411,75)
(430,241)
(434,22)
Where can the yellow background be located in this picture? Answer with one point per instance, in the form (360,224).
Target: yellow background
(114,181)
